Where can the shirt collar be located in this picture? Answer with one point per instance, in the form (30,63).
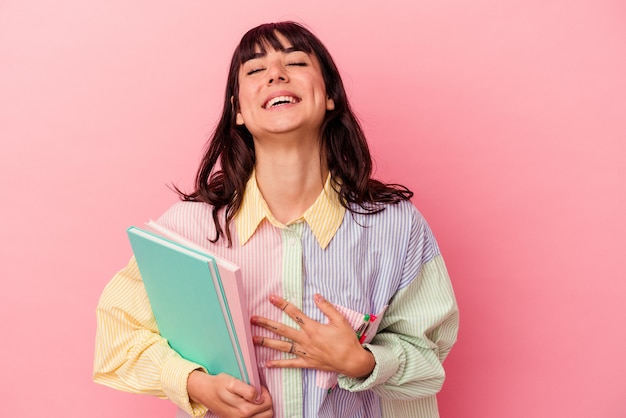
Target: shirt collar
(323,217)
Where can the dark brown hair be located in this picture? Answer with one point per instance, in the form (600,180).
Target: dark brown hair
(229,159)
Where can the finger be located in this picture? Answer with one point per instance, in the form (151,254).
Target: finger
(298,363)
(249,393)
(328,309)
(292,363)
(289,347)
(265,397)
(280,345)
(276,327)
(290,309)
(241,389)
(265,405)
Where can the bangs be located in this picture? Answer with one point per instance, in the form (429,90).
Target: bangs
(264,36)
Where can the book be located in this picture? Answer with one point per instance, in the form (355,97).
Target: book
(198,302)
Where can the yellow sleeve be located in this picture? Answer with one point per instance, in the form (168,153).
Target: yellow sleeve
(130,354)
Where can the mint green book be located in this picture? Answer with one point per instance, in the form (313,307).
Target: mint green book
(203,318)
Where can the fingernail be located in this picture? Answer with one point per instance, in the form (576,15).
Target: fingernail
(273,298)
(257,340)
(318,297)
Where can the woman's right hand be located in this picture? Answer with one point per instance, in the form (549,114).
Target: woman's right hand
(226,396)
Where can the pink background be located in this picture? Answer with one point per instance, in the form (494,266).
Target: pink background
(506,117)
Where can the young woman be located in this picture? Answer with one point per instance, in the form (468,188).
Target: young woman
(284,191)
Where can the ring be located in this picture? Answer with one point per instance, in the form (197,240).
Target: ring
(293,348)
(285,307)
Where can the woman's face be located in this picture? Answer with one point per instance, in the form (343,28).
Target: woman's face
(282,92)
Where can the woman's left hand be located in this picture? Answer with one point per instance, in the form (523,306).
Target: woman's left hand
(330,347)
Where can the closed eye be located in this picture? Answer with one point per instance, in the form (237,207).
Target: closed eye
(298,64)
(254,70)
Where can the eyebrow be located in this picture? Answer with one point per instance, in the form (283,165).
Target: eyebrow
(284,51)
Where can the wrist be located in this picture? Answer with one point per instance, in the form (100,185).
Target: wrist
(362,364)
(196,385)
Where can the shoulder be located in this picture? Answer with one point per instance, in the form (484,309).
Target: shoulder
(401,216)
(189,219)
(406,224)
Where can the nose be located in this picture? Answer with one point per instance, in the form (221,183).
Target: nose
(277,74)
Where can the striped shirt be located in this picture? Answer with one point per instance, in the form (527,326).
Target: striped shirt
(386,264)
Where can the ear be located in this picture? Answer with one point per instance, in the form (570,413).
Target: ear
(330,104)
(238,117)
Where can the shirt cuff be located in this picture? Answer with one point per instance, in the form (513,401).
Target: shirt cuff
(174,382)
(386,366)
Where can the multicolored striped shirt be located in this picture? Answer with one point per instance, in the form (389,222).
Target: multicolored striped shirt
(386,265)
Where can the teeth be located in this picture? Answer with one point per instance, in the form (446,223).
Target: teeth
(280,100)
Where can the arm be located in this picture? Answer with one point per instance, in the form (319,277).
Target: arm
(130,354)
(415,336)
(404,359)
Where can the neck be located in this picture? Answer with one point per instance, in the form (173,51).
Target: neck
(290,176)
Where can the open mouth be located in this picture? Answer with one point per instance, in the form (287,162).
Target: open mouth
(280,101)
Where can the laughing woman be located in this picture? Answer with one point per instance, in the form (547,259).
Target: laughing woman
(285,191)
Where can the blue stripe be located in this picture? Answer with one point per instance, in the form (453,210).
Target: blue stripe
(370,258)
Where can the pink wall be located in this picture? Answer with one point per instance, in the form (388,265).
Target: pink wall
(507,118)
